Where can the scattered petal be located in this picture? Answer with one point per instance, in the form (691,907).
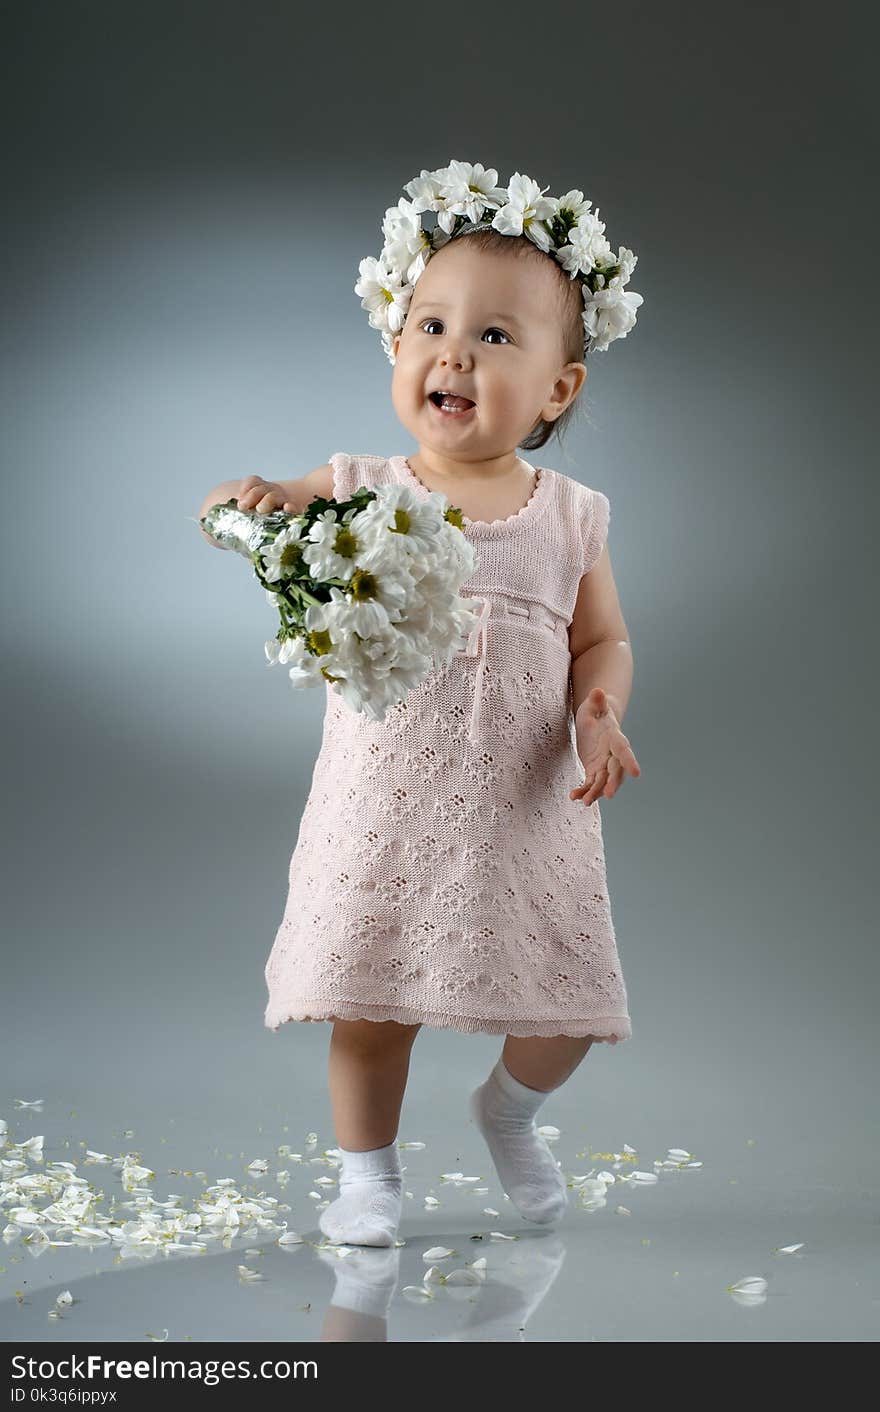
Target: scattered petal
(750,1284)
(33,1146)
(591,1186)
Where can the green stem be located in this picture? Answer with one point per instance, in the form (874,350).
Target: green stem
(310,597)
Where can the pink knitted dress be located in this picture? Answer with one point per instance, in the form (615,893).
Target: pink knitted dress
(441,873)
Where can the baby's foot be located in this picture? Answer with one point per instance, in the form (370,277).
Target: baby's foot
(366,1212)
(504,1113)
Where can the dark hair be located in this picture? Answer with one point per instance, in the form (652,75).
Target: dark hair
(570,306)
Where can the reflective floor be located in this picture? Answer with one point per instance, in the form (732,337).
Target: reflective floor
(749,1246)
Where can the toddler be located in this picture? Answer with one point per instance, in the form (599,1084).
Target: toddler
(449,869)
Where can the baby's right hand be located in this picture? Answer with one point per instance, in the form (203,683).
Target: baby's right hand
(263,496)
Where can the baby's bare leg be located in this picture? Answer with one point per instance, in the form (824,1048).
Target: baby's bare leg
(369,1066)
(544,1063)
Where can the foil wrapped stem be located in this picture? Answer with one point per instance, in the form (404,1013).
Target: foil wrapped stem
(245,531)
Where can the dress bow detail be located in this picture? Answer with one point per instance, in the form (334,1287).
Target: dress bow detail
(477,643)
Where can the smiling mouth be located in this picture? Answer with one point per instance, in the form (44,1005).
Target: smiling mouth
(437,400)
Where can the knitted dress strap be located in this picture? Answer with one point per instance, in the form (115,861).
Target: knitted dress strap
(595,517)
(352,470)
(344,475)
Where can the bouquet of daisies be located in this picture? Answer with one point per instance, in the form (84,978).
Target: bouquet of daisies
(367,589)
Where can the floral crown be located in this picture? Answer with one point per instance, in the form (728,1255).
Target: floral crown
(464,197)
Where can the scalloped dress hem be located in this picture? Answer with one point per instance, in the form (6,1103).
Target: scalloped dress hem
(602,1028)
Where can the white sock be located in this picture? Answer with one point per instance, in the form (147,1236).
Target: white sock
(504,1110)
(368,1208)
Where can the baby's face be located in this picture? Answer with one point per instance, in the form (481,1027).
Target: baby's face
(488,327)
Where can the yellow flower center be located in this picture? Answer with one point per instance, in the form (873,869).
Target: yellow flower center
(345,543)
(291,555)
(364,585)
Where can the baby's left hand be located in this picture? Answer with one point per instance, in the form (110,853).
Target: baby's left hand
(604,750)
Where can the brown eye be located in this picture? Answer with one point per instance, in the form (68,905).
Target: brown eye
(498,330)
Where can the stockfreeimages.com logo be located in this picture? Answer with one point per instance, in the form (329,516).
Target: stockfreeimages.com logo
(210,1371)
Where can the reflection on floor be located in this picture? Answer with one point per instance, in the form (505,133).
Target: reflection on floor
(119,1246)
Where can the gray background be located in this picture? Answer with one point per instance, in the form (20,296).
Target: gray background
(189,189)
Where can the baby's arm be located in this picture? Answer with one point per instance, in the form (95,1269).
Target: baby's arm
(601,680)
(601,653)
(254,493)
(300,492)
